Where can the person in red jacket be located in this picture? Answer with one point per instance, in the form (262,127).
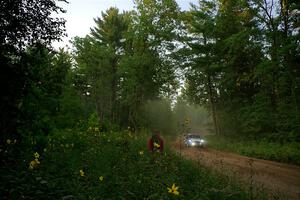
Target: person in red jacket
(155,143)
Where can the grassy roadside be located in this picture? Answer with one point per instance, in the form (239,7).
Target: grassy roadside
(286,152)
(76,164)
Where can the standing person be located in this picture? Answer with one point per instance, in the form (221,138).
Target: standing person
(156,143)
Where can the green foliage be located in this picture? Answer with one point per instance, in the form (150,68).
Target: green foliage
(29,22)
(264,148)
(93,120)
(71,109)
(24,24)
(238,65)
(122,64)
(71,164)
(45,83)
(111,28)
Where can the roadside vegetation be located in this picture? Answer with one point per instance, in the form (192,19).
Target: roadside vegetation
(286,152)
(85,163)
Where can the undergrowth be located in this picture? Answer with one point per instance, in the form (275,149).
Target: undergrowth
(89,164)
(259,148)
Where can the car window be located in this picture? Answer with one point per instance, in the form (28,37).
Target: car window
(194,136)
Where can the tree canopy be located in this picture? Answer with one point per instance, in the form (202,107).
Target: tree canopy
(237,59)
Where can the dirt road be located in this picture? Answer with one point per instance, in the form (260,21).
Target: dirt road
(281,180)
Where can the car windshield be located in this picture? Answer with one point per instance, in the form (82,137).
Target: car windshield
(194,136)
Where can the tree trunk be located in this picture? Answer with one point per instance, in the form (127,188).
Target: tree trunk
(113,90)
(212,105)
(211,99)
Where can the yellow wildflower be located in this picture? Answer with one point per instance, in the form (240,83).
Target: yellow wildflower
(141,152)
(34,163)
(173,189)
(156,145)
(8,141)
(37,161)
(101,178)
(96,129)
(81,172)
(36,155)
(15,141)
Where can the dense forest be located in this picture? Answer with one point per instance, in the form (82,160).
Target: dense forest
(224,67)
(237,59)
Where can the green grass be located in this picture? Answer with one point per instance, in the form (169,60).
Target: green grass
(129,171)
(264,149)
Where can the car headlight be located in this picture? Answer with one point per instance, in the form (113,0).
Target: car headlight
(202,141)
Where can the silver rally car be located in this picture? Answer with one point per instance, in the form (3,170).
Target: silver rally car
(194,140)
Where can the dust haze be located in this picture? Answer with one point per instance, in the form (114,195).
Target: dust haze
(170,120)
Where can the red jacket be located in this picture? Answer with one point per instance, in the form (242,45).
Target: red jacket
(155,138)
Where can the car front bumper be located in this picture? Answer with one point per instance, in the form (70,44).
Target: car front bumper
(195,144)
